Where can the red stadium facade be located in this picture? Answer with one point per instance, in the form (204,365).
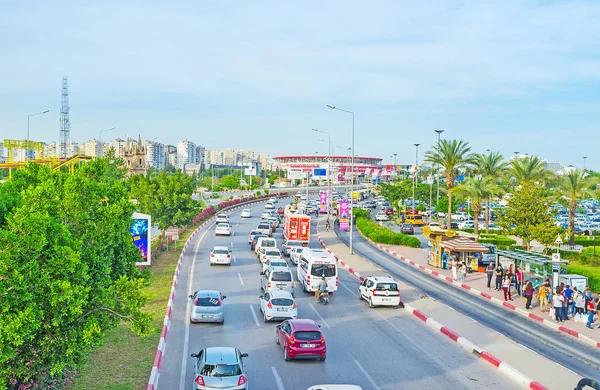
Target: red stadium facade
(340,165)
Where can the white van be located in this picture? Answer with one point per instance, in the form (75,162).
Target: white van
(313,265)
(266,242)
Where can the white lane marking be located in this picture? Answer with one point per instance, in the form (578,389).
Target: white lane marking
(366,374)
(240,277)
(231,244)
(186,319)
(233,257)
(350,291)
(254,315)
(318,315)
(237,224)
(278,380)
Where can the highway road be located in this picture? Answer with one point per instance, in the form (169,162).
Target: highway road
(580,358)
(382,348)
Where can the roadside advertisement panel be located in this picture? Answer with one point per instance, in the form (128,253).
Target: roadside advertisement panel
(344,215)
(140,233)
(296,174)
(323,202)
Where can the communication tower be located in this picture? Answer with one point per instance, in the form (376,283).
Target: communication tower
(65,123)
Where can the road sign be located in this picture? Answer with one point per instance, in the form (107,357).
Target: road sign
(172,232)
(296,201)
(296,174)
(555,266)
(558,240)
(319,172)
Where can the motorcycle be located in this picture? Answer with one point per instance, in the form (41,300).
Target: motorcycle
(324,297)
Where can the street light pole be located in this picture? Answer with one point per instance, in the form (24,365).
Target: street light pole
(100,139)
(351,179)
(437,174)
(330,152)
(584,160)
(415,175)
(29,116)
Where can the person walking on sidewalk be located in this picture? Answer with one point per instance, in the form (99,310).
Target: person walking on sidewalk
(499,277)
(453,264)
(557,302)
(519,279)
(542,295)
(489,270)
(528,294)
(463,271)
(506,288)
(591,310)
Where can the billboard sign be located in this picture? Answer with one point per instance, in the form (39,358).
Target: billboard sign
(344,215)
(319,172)
(140,232)
(296,174)
(250,171)
(323,202)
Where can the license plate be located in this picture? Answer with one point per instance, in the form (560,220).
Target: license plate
(281,286)
(207,316)
(281,309)
(386,299)
(308,345)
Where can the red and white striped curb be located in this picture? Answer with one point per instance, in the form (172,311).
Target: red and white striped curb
(496,301)
(156,366)
(464,343)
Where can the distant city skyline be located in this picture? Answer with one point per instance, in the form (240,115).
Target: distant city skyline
(506,76)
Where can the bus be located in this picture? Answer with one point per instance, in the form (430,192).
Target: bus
(415,219)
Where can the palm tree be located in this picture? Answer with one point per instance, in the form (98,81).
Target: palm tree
(450,155)
(476,189)
(493,167)
(574,185)
(530,168)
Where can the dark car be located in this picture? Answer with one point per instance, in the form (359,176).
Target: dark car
(407,228)
(389,211)
(255,238)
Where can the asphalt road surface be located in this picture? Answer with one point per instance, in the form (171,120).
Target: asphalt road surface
(382,348)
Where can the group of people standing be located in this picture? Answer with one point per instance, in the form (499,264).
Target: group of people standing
(569,301)
(505,278)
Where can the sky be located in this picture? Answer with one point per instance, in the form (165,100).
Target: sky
(502,75)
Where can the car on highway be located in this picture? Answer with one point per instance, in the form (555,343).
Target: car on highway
(252,233)
(269,206)
(314,264)
(280,211)
(295,254)
(277,279)
(278,305)
(379,291)
(207,306)
(220,255)
(407,228)
(287,246)
(274,221)
(222,218)
(274,263)
(381,216)
(265,228)
(246,213)
(302,197)
(255,238)
(269,253)
(267,242)
(435,224)
(389,210)
(220,368)
(301,338)
(273,200)
(223,229)
(265,215)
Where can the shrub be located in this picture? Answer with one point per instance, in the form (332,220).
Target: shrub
(380,234)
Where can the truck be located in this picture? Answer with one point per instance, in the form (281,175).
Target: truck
(296,225)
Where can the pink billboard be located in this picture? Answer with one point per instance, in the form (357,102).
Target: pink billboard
(323,202)
(344,214)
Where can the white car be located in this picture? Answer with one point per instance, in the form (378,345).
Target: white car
(273,262)
(222,218)
(295,254)
(269,206)
(278,305)
(220,255)
(223,229)
(265,215)
(246,213)
(381,217)
(273,200)
(379,291)
(270,254)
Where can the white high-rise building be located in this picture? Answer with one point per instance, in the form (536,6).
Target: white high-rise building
(186,153)
(200,155)
(156,154)
(91,148)
(171,155)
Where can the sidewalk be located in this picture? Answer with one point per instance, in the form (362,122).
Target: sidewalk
(476,283)
(517,362)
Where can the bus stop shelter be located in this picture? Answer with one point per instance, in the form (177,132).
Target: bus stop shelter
(535,266)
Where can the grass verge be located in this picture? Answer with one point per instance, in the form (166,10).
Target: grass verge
(125,360)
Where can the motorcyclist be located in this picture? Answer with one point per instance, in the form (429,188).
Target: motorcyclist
(322,288)
(327,225)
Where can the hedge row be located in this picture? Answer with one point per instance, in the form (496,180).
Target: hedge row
(498,240)
(380,234)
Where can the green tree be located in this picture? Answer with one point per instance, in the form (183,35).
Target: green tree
(530,168)
(452,156)
(272,178)
(528,209)
(574,186)
(230,182)
(67,269)
(493,167)
(476,189)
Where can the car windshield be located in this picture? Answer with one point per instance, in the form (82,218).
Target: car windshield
(246,210)
(221,370)
(307,336)
(281,276)
(221,251)
(387,287)
(282,302)
(206,301)
(327,270)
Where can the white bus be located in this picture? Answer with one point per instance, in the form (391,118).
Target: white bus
(313,265)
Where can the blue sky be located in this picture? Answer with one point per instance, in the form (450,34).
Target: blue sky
(503,75)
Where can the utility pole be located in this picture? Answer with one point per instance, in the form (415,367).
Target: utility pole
(437,174)
(415,175)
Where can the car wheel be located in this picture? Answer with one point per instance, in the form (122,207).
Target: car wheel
(285,355)
(371,305)
(323,358)
(276,338)
(265,317)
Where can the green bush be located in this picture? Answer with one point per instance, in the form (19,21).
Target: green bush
(585,241)
(380,234)
(499,241)
(592,273)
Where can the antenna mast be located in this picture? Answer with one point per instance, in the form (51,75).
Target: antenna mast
(65,123)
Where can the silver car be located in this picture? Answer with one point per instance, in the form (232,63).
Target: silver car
(207,306)
(220,368)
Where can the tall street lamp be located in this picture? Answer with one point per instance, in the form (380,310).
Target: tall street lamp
(351,179)
(437,174)
(29,116)
(100,139)
(330,152)
(584,159)
(415,175)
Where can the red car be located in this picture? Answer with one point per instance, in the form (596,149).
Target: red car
(389,211)
(301,339)
(280,211)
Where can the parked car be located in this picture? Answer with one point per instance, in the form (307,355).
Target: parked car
(220,367)
(407,228)
(301,339)
(207,306)
(278,305)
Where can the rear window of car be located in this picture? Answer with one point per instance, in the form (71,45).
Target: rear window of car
(327,270)
(307,336)
(387,287)
(206,301)
(298,250)
(293,243)
(268,244)
(221,251)
(221,370)
(281,276)
(222,216)
(264,226)
(407,225)
(282,302)
(223,225)
(272,253)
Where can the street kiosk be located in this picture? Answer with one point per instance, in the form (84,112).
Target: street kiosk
(458,244)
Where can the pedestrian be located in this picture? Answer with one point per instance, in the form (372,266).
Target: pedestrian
(579,304)
(463,271)
(506,288)
(587,295)
(454,270)
(591,310)
(444,260)
(568,293)
(557,303)
(499,276)
(528,294)
(489,270)
(519,279)
(573,307)
(542,295)
(327,224)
